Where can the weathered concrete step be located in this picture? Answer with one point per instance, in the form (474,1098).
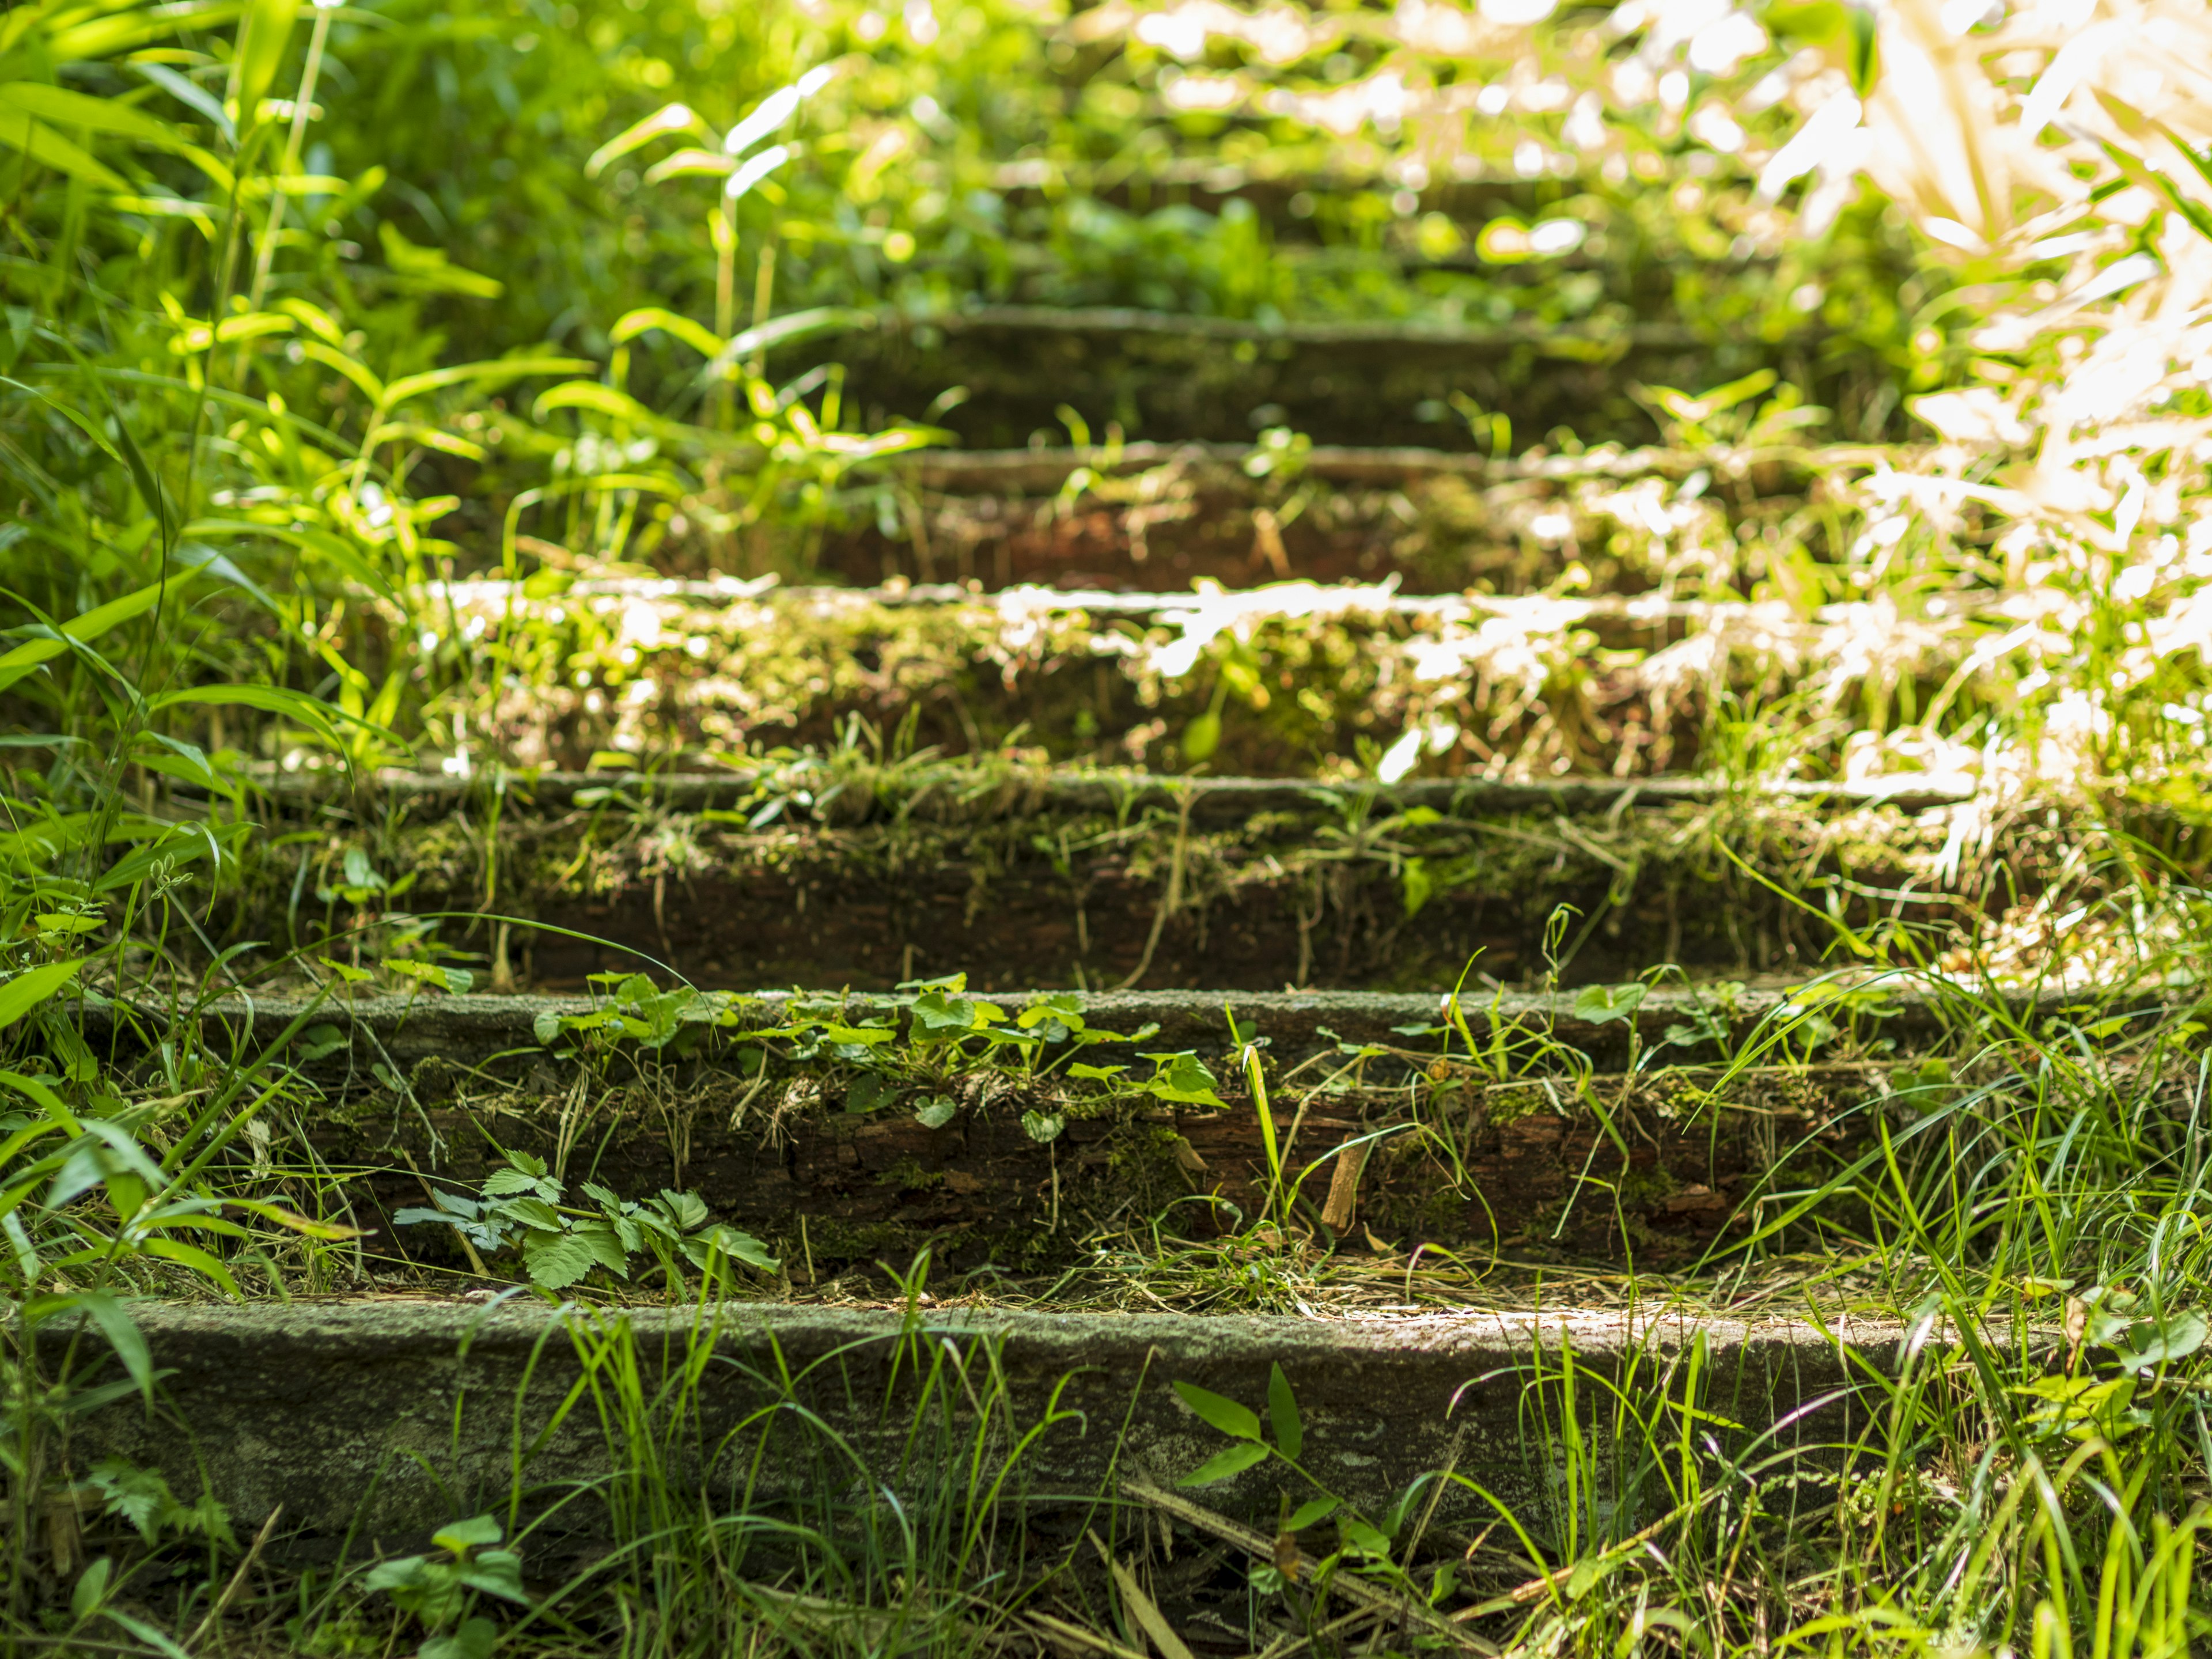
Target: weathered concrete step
(1162,375)
(851,1131)
(473,1029)
(1304,677)
(956,791)
(1130,516)
(395,1416)
(1022,885)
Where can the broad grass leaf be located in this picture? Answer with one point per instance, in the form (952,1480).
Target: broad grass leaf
(1224,1414)
(264,32)
(29,989)
(122,1333)
(331,357)
(631,324)
(797,325)
(194,98)
(270,700)
(506,369)
(76,109)
(670,117)
(190,1255)
(43,144)
(1222,1465)
(592,395)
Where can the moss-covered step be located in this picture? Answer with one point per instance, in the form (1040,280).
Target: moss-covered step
(1029,1132)
(1707,524)
(366,1416)
(1289,679)
(831,876)
(1163,375)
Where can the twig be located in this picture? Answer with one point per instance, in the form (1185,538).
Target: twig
(1352,1586)
(1170,899)
(1343,1203)
(237,1580)
(1082,1637)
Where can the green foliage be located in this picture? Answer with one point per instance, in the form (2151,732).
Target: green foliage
(436,1590)
(524,1208)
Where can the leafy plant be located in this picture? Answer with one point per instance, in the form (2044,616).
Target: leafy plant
(437,1589)
(524,1208)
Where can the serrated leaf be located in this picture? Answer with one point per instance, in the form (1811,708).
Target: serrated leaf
(1223,1464)
(556,1261)
(1224,1414)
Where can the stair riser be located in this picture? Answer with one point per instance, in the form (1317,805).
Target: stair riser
(1179,521)
(1172,383)
(1484,1171)
(1278,901)
(325,1409)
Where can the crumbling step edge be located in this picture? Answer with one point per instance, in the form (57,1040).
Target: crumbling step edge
(326,1407)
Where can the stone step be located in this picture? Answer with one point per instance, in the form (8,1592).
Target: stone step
(388,1417)
(1309,678)
(1504,1132)
(1127,517)
(1166,376)
(845,873)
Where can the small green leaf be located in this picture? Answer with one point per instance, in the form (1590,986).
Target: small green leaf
(1361,1539)
(935,1112)
(459,1537)
(1219,1467)
(868,1092)
(1042,1126)
(476,1638)
(1224,1414)
(1601,1004)
(1312,1511)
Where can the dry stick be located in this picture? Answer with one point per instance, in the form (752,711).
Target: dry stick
(1343,1203)
(1284,1646)
(1521,1594)
(1170,901)
(1352,1587)
(237,1579)
(1142,1608)
(1060,1629)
